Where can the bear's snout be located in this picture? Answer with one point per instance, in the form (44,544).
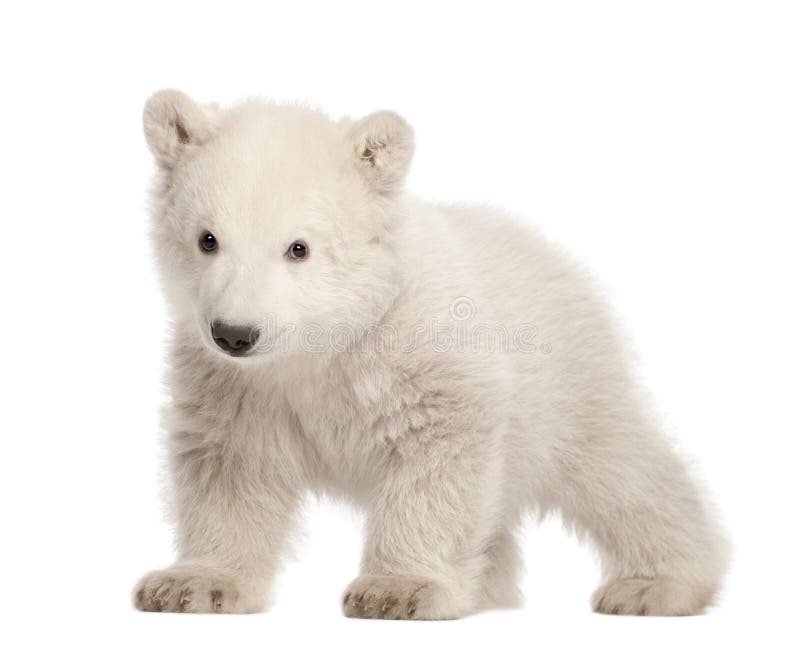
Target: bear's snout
(234,339)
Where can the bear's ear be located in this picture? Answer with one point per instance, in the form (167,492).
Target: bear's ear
(173,123)
(383,145)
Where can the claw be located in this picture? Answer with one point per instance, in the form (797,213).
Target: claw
(185,598)
(216,600)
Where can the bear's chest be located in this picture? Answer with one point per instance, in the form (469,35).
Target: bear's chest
(350,420)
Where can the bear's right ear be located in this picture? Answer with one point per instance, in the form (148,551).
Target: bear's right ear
(174,123)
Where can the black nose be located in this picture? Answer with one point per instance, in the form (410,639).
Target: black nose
(233,339)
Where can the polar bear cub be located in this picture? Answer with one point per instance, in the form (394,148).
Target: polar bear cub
(443,368)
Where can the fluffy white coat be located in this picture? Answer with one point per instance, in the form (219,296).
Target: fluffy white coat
(444,368)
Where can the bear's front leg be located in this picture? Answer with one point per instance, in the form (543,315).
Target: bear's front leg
(429,529)
(233,513)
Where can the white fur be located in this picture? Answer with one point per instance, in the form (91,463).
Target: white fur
(445,448)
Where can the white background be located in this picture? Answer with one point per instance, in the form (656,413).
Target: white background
(660,141)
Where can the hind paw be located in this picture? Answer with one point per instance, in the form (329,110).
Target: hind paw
(659,596)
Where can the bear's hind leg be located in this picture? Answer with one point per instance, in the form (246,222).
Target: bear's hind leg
(624,487)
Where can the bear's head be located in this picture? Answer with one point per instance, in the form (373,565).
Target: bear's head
(273,223)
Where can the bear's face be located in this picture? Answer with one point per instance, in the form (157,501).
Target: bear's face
(271,222)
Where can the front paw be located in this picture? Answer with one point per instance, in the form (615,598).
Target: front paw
(397,597)
(188,589)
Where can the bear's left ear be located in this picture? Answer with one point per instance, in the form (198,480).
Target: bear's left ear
(383,145)
(174,123)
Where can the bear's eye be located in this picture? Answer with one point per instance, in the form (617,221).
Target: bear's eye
(207,242)
(297,250)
